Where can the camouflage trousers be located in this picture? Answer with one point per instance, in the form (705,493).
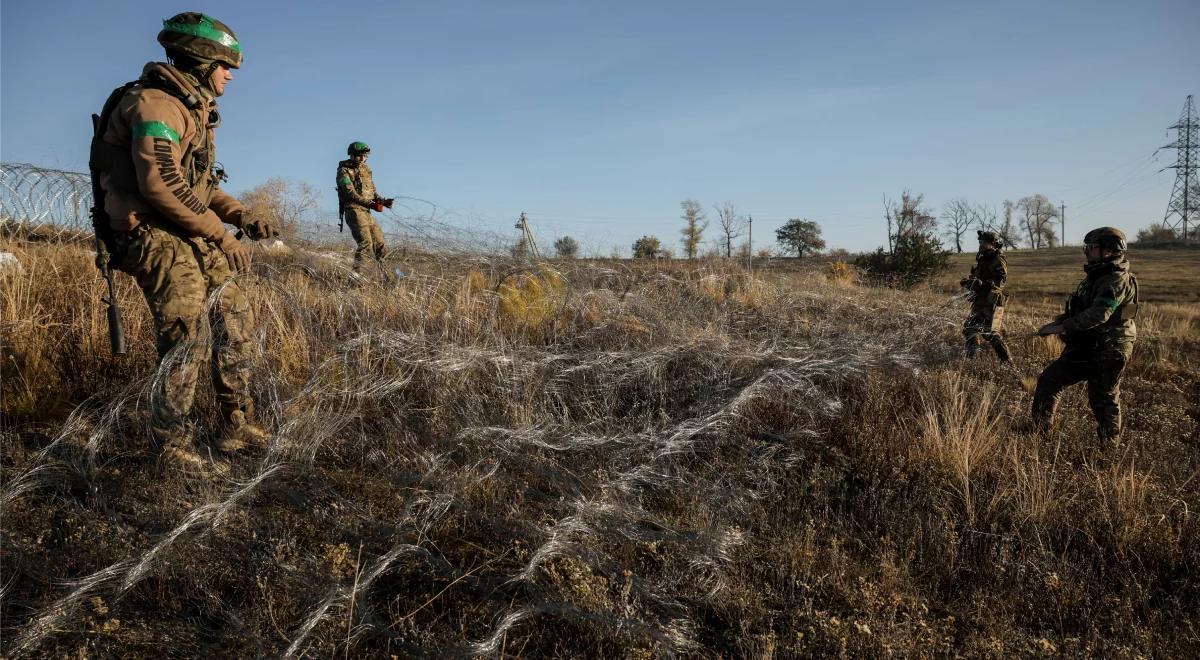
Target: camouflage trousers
(985,323)
(1101,369)
(201,316)
(366,232)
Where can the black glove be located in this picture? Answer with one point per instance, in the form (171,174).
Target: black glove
(388,201)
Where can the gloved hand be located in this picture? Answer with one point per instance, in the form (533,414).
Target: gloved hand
(255,225)
(377,205)
(235,253)
(259,229)
(388,201)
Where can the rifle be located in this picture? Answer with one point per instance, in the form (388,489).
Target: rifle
(341,211)
(102,228)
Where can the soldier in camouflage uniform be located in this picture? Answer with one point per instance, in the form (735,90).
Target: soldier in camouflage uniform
(986,286)
(155,159)
(1098,330)
(357,197)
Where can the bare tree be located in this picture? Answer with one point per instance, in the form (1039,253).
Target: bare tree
(693,228)
(1037,220)
(907,217)
(731,226)
(1007,229)
(286,204)
(958,216)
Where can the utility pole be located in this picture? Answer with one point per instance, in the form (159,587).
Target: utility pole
(527,236)
(750,244)
(1062,216)
(1183,202)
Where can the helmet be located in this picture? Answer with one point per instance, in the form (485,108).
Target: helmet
(357,149)
(202,38)
(991,237)
(1108,238)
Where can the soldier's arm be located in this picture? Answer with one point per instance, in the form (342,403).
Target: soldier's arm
(1107,300)
(227,207)
(999,273)
(345,181)
(156,127)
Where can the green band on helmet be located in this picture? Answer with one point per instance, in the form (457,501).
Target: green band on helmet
(154,129)
(204,30)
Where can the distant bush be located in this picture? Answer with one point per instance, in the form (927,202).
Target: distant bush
(1160,236)
(566,247)
(917,257)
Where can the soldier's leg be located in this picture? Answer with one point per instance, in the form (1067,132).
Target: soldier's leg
(233,349)
(1067,370)
(359,221)
(998,345)
(170,277)
(377,239)
(971,331)
(1104,391)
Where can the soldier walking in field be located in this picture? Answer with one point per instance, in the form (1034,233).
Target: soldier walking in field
(986,287)
(357,197)
(156,163)
(1098,330)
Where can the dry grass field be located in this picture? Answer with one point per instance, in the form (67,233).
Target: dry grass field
(498,459)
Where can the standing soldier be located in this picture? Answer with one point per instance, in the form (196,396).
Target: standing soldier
(156,162)
(357,197)
(1098,330)
(986,286)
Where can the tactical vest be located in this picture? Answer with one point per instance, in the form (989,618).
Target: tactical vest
(199,155)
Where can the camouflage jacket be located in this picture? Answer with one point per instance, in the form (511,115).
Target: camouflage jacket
(355,184)
(987,279)
(155,159)
(1101,312)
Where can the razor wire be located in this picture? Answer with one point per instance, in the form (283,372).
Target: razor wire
(44,200)
(54,204)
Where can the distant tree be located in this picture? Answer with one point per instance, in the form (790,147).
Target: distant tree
(958,216)
(1007,229)
(914,258)
(693,227)
(646,247)
(1158,235)
(731,226)
(800,236)
(907,217)
(1037,219)
(286,204)
(566,247)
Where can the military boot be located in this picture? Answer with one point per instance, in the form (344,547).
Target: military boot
(187,461)
(240,432)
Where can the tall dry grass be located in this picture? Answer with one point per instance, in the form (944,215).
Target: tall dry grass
(496,458)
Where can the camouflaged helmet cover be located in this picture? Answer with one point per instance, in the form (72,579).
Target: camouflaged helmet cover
(201,38)
(357,149)
(991,237)
(1108,238)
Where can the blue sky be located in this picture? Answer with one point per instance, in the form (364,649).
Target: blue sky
(599,118)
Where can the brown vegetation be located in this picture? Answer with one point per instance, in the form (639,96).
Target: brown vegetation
(490,458)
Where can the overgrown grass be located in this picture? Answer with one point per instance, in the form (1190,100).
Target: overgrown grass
(494,458)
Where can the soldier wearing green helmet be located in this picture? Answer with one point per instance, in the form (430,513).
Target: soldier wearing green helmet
(985,286)
(357,197)
(1098,330)
(154,156)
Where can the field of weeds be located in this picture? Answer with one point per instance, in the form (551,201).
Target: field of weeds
(582,459)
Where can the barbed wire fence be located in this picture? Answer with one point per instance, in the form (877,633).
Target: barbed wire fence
(45,203)
(42,203)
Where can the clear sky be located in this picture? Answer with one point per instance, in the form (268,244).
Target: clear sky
(598,118)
